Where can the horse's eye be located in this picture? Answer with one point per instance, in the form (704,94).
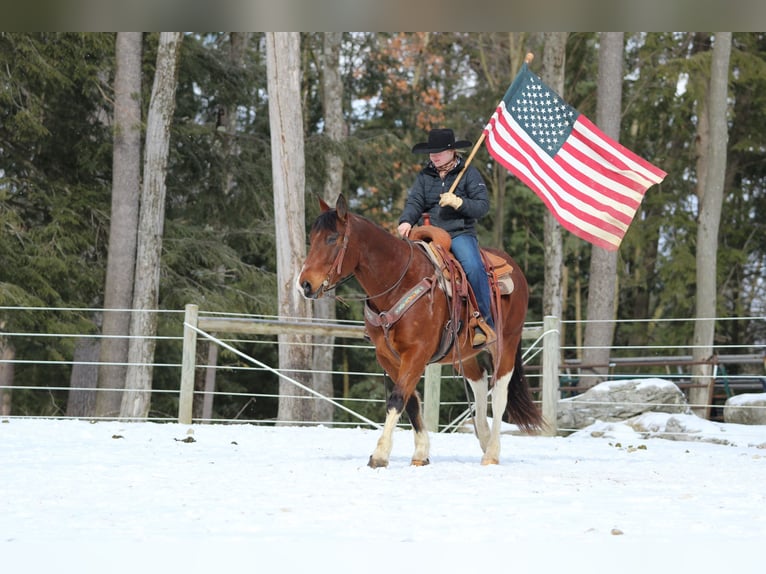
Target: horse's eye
(332,239)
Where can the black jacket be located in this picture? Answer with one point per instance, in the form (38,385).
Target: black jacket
(423,197)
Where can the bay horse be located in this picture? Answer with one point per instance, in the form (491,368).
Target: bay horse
(397,275)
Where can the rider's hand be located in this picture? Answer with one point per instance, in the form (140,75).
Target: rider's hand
(451,200)
(404,229)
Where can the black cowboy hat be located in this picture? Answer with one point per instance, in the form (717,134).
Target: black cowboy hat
(439,140)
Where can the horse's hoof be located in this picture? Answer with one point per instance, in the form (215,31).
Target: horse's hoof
(420,462)
(377,463)
(487,460)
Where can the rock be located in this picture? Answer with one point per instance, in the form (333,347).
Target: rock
(620,400)
(746,409)
(685,427)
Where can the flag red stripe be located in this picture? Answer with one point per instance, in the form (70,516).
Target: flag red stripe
(606,171)
(563,181)
(583,225)
(623,158)
(592,184)
(572,176)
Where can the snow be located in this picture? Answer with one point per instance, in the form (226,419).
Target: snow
(649,382)
(79,496)
(747,399)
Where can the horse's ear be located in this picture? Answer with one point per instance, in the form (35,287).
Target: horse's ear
(341,208)
(323,204)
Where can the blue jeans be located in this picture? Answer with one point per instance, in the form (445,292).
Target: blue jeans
(466,249)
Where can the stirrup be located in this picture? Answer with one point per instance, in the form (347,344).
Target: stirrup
(483,335)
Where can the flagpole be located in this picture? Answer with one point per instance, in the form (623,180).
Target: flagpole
(528,59)
(476,147)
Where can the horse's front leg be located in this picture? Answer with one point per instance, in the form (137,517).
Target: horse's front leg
(402,397)
(394,406)
(422,443)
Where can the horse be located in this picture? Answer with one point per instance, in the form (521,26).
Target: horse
(406,315)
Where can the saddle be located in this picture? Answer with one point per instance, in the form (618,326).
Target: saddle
(436,243)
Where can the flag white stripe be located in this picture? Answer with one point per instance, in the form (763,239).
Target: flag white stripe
(631,197)
(550,189)
(616,186)
(551,186)
(576,166)
(644,176)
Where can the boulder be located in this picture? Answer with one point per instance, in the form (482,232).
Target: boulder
(746,409)
(613,401)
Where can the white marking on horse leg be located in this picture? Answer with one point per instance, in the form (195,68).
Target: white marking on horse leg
(385,443)
(422,447)
(499,402)
(480,390)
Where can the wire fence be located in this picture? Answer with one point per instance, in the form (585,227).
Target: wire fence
(54,372)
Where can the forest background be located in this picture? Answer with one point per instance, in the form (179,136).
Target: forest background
(218,249)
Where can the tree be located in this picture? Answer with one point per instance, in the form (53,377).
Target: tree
(713,139)
(143,324)
(602,285)
(226,128)
(335,130)
(123,225)
(219,244)
(288,167)
(554,59)
(53,165)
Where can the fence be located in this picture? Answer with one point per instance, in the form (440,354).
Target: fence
(736,368)
(547,336)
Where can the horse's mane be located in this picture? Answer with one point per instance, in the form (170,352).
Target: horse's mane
(325,221)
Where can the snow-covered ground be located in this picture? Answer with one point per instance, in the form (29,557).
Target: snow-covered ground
(147,497)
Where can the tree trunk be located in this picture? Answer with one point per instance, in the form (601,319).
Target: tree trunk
(143,324)
(554,59)
(238,42)
(335,130)
(711,193)
(288,171)
(81,399)
(123,226)
(602,284)
(7,354)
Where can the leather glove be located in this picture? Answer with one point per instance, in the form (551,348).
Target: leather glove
(451,200)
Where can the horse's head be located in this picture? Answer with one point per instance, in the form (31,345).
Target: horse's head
(323,269)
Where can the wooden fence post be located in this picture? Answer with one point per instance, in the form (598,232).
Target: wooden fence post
(188,366)
(551,358)
(432,396)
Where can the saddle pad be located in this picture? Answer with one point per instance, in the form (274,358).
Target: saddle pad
(445,280)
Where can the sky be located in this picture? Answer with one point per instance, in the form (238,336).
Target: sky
(80,496)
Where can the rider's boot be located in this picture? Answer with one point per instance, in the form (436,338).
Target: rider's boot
(483,334)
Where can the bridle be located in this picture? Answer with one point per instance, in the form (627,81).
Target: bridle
(337,265)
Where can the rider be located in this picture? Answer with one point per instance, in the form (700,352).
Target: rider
(455,212)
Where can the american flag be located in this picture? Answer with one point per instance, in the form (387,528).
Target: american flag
(592,184)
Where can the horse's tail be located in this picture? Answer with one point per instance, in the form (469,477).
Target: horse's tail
(521,409)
